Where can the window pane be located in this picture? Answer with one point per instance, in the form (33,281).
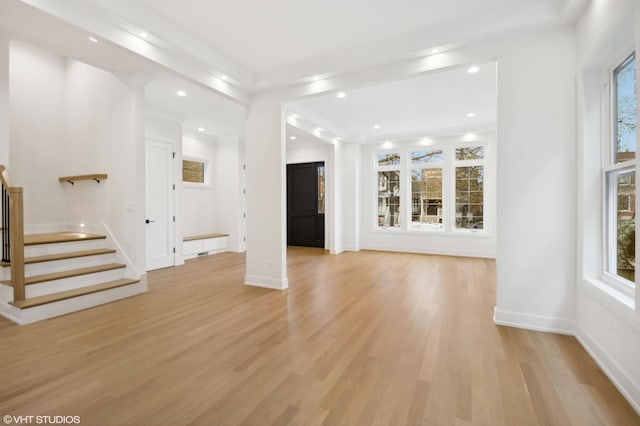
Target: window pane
(388,159)
(320,189)
(389,199)
(426,195)
(469,197)
(422,157)
(193,171)
(623,264)
(473,153)
(625,110)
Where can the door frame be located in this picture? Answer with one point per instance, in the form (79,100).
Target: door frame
(171,210)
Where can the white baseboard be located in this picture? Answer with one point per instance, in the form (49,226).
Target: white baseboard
(629,389)
(429,250)
(274,284)
(534,322)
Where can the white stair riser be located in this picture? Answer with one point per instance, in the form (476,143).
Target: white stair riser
(62,265)
(55,248)
(49,287)
(50,310)
(6,293)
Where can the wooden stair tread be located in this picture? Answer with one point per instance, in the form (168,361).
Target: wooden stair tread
(59,237)
(69,294)
(67,255)
(63,256)
(36,279)
(204,237)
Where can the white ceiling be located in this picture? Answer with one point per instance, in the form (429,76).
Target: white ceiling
(435,103)
(263,35)
(255,45)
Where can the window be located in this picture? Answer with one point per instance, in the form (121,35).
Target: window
(196,172)
(470,188)
(435,188)
(389,190)
(426,189)
(620,175)
(193,171)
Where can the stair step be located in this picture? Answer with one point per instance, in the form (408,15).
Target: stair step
(68,255)
(59,237)
(69,294)
(62,256)
(35,279)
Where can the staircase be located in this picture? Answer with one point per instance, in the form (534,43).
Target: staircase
(66,272)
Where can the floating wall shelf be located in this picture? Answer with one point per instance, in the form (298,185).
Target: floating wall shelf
(72,179)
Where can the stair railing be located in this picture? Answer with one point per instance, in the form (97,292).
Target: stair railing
(13,233)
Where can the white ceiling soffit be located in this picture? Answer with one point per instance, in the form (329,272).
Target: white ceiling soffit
(287,41)
(201,109)
(434,104)
(34,26)
(166,44)
(443,36)
(240,47)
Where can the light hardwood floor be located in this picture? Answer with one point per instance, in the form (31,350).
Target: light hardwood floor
(360,338)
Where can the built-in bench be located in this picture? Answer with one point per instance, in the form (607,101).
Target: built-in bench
(197,245)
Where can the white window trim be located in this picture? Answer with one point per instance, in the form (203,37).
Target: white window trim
(624,287)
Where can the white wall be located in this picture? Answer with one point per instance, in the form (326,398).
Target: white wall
(536,181)
(100,137)
(199,202)
(606,324)
(4,99)
(69,118)
(37,131)
(348,190)
(228,202)
(481,244)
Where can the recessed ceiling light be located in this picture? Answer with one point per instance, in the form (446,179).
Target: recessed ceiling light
(316,77)
(341,95)
(435,50)
(93,39)
(224,77)
(144,34)
(319,129)
(201,129)
(377,127)
(181,93)
(293,138)
(471,114)
(473,69)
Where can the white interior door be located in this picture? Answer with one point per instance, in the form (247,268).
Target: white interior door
(159,208)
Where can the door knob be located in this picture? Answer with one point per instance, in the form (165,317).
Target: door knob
(149,221)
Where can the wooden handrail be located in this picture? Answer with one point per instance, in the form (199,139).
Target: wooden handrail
(4,177)
(16,234)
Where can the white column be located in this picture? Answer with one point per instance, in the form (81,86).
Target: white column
(266,194)
(347,196)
